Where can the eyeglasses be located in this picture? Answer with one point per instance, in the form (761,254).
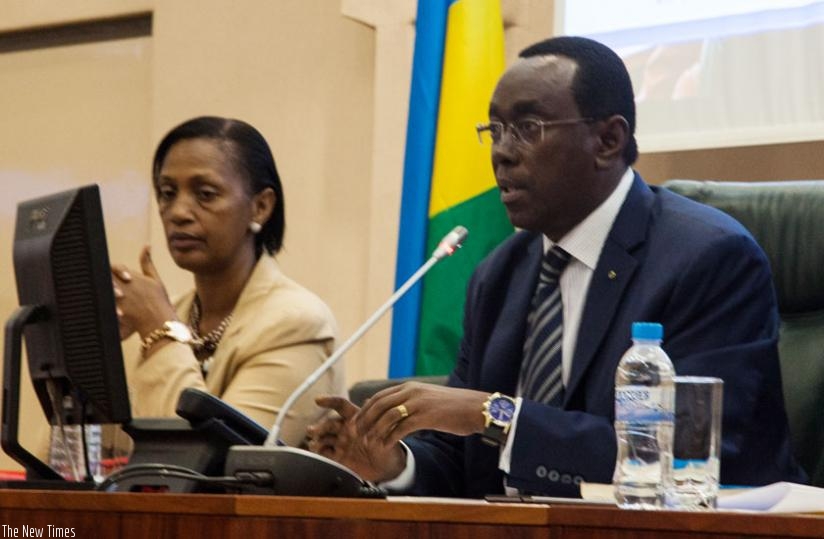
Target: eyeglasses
(527,132)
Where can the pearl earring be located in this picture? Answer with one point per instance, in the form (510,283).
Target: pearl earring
(255,227)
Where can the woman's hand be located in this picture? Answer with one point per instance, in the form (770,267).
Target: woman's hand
(142,302)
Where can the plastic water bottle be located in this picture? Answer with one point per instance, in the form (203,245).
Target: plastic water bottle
(66,455)
(644,412)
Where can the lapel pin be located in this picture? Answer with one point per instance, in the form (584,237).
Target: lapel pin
(612,275)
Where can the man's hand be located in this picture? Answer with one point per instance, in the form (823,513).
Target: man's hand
(426,407)
(366,439)
(335,437)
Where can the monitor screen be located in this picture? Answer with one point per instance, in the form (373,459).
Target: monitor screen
(61,264)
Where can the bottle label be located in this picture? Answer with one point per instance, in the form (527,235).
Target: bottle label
(642,404)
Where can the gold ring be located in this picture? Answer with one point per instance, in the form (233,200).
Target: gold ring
(402,410)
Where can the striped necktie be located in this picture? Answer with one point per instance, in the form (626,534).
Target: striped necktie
(541,378)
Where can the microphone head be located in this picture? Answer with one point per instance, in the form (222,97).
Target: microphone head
(451,242)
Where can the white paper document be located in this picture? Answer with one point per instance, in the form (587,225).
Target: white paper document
(776,498)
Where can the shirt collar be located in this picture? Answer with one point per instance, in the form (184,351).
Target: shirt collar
(586,240)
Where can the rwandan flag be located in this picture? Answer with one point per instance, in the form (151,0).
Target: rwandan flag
(448,179)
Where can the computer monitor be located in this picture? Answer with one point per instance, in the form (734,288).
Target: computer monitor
(68,322)
(67,315)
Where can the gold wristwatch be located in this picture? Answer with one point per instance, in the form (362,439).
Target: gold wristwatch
(498,412)
(171,329)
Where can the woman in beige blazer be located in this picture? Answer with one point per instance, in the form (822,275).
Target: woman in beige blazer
(246,333)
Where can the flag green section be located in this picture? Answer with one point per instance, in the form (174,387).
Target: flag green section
(444,289)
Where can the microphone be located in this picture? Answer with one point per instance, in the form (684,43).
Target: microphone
(297,472)
(448,245)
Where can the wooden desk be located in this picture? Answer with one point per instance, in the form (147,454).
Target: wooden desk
(190,516)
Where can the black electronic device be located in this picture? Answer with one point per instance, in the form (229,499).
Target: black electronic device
(67,315)
(187,454)
(201,408)
(290,471)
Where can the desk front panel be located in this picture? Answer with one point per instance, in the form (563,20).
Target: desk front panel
(152,516)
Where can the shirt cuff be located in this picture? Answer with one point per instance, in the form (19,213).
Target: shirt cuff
(505,460)
(406,479)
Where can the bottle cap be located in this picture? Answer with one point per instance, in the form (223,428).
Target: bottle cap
(650,331)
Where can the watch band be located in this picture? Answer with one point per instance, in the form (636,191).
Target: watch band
(171,329)
(494,434)
(153,337)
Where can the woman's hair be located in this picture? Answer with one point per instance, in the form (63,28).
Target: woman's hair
(250,154)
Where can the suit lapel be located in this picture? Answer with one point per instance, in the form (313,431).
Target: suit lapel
(504,353)
(265,273)
(615,269)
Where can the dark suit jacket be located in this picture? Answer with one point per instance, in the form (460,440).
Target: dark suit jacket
(667,259)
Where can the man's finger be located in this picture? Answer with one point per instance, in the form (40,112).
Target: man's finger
(343,407)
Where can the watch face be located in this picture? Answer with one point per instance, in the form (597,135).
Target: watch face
(501,410)
(178,331)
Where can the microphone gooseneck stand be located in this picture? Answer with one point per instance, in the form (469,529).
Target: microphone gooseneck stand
(296,472)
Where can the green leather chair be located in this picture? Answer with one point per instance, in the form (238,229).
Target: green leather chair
(787,220)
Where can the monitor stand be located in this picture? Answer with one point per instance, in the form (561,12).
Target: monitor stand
(36,469)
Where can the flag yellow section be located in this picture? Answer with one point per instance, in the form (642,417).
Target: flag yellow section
(473,62)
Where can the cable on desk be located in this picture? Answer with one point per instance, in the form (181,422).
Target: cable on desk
(180,472)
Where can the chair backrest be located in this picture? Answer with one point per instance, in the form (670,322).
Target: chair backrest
(360,391)
(787,220)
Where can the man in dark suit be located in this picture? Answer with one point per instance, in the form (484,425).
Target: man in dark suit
(562,123)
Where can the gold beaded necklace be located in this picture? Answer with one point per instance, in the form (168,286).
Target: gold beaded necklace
(204,346)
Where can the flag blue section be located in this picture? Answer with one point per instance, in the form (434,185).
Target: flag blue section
(430,34)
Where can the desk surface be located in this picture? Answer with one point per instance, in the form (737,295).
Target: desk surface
(127,515)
